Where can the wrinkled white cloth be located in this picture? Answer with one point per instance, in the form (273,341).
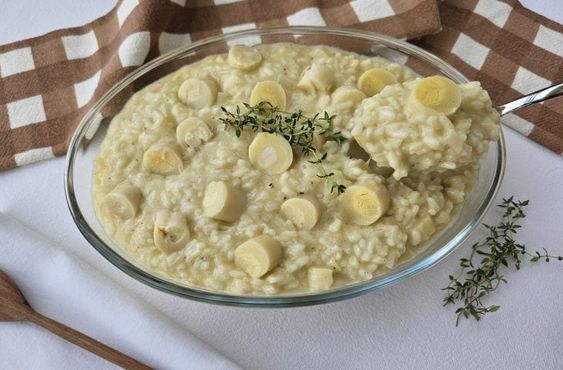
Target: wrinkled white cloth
(65,288)
(401,327)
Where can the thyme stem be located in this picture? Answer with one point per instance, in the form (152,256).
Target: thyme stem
(298,129)
(477,279)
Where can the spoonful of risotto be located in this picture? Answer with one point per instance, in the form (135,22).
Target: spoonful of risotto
(432,124)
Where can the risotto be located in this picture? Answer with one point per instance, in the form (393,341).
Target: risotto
(282,169)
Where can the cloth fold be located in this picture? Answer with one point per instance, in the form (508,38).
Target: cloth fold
(47,83)
(99,305)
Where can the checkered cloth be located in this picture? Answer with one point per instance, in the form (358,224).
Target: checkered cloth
(47,83)
(512,51)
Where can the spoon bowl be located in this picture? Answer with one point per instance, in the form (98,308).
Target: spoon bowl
(14,307)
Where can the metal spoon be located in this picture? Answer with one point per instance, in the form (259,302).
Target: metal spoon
(14,307)
(533,98)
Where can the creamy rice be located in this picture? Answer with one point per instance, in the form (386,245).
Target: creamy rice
(404,138)
(422,201)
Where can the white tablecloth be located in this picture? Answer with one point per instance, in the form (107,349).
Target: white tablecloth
(404,326)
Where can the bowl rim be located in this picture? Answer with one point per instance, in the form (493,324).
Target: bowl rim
(304,299)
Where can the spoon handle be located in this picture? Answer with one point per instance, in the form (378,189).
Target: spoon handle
(533,98)
(86,342)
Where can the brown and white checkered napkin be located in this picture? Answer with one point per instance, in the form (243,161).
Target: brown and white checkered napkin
(47,83)
(512,51)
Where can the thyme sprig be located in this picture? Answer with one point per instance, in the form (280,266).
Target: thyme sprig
(298,129)
(334,186)
(478,278)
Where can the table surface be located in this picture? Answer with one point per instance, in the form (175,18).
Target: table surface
(403,326)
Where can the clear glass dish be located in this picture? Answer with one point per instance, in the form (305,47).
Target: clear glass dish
(88,136)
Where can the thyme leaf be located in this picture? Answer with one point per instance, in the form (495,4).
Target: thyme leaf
(481,273)
(298,129)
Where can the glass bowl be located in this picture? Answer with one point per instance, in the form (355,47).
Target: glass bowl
(87,138)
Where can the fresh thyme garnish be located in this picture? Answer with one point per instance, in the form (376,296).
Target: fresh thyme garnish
(334,186)
(499,248)
(298,129)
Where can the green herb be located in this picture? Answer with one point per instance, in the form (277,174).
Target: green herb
(334,186)
(298,129)
(482,277)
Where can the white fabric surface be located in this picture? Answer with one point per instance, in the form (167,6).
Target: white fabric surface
(65,288)
(404,326)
